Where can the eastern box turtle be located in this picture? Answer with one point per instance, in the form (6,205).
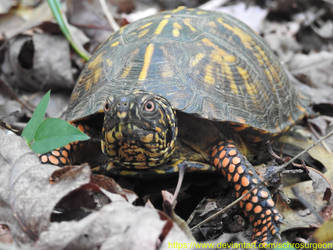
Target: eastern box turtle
(189,88)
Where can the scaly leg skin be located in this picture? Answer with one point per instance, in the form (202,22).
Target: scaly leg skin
(258,204)
(61,156)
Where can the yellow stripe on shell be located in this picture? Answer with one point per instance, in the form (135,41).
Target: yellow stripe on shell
(146,61)
(187,22)
(161,26)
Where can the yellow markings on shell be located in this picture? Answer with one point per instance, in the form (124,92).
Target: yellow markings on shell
(226,56)
(146,62)
(197,59)
(126,71)
(212,24)
(145,25)
(250,88)
(167,71)
(115,44)
(143,33)
(187,22)
(209,77)
(178,9)
(128,68)
(176,27)
(200,12)
(175,32)
(161,26)
(109,62)
(148,138)
(95,67)
(220,56)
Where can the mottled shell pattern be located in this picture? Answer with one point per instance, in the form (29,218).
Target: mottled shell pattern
(204,63)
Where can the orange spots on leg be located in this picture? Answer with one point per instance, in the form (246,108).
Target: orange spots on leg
(55,153)
(237,186)
(231,168)
(216,162)
(255,199)
(236,160)
(240,170)
(248,206)
(245,181)
(222,154)
(263,194)
(68,147)
(53,160)
(214,152)
(63,160)
(44,159)
(268,212)
(229,177)
(257,209)
(232,152)
(236,178)
(64,153)
(225,162)
(270,202)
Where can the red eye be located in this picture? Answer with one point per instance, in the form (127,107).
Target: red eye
(149,106)
(107,107)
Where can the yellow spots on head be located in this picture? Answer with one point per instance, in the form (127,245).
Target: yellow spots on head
(167,16)
(176,27)
(110,137)
(161,26)
(143,33)
(115,44)
(197,59)
(146,61)
(187,22)
(209,77)
(250,88)
(121,115)
(147,139)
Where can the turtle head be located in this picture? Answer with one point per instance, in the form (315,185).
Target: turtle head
(139,130)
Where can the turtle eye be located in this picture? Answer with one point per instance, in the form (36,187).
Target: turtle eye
(107,106)
(149,106)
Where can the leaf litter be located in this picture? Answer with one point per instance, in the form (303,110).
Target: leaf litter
(298,31)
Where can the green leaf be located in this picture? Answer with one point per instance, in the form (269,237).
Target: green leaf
(62,22)
(54,133)
(36,119)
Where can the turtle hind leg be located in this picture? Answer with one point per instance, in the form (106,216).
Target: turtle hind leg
(258,204)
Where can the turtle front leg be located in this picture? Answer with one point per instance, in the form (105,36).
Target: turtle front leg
(258,205)
(62,156)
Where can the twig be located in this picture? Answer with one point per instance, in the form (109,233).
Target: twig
(280,168)
(109,16)
(224,209)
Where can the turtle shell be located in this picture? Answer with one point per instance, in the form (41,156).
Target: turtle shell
(204,63)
